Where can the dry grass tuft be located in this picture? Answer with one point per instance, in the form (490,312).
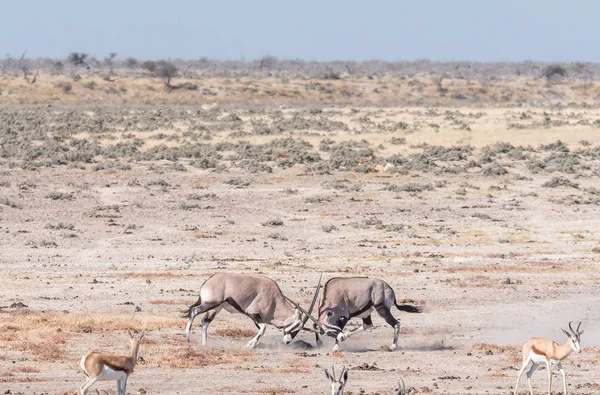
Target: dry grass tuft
(52,348)
(25,369)
(235,332)
(493,347)
(187,357)
(70,323)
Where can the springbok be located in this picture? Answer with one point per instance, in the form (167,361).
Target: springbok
(337,384)
(207,107)
(402,389)
(98,366)
(255,296)
(543,351)
(346,298)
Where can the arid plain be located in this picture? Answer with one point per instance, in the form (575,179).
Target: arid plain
(476,198)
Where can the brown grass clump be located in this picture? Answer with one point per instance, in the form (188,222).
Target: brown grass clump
(25,369)
(267,390)
(187,357)
(50,349)
(493,347)
(86,323)
(177,302)
(235,332)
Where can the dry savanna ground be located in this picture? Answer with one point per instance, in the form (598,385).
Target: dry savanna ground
(114,207)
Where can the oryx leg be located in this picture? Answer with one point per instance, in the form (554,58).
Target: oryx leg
(336,346)
(119,387)
(208,317)
(366,325)
(392,321)
(562,371)
(90,381)
(386,314)
(534,366)
(261,331)
(202,308)
(318,339)
(525,364)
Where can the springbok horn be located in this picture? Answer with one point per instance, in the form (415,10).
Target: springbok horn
(571,328)
(578,326)
(312,304)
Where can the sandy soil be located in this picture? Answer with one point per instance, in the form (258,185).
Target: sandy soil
(493,260)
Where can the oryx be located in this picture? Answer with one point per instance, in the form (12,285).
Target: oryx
(258,297)
(348,297)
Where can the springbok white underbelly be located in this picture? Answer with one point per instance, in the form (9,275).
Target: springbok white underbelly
(540,359)
(109,374)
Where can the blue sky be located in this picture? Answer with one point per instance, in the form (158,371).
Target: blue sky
(469,30)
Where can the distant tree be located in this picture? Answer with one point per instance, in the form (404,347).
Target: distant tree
(131,62)
(77,58)
(161,69)
(268,62)
(149,65)
(166,71)
(109,60)
(554,72)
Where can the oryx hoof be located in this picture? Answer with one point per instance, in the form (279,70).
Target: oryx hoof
(393,347)
(252,343)
(336,348)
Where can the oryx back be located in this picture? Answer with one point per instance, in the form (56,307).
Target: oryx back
(345,298)
(255,296)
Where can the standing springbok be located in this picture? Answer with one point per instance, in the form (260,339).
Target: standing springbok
(255,296)
(543,351)
(346,298)
(337,384)
(98,366)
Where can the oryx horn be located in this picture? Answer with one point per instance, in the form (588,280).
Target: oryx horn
(312,304)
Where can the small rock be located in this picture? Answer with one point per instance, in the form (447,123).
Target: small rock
(506,281)
(138,309)
(18,305)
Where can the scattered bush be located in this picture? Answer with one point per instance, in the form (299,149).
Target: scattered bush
(60,196)
(273,222)
(77,58)
(560,182)
(554,72)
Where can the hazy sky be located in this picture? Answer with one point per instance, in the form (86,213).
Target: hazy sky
(475,30)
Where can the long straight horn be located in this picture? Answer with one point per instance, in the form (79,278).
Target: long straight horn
(297,306)
(312,304)
(333,372)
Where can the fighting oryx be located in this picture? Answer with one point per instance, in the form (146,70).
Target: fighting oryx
(348,297)
(258,297)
